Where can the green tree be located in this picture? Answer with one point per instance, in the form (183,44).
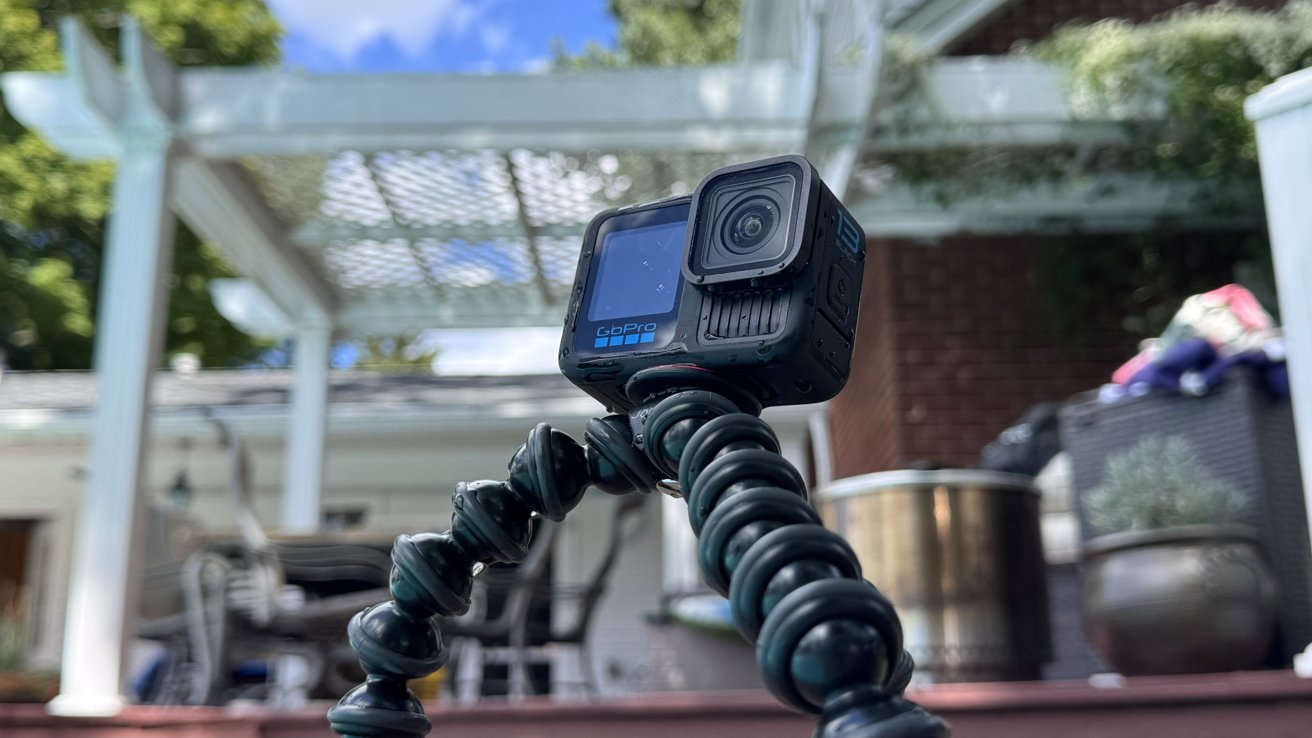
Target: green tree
(664,33)
(52,209)
(397,353)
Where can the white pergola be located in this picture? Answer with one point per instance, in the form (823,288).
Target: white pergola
(359,204)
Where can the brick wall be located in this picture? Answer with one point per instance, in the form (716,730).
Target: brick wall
(865,417)
(954,345)
(1031,20)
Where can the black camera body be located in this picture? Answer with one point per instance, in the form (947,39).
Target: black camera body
(756,277)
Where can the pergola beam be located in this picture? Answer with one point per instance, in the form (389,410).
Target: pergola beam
(238,112)
(938,24)
(1108,204)
(96,81)
(978,101)
(227,113)
(530,232)
(218,202)
(842,102)
(765,106)
(321,233)
(146,71)
(901,211)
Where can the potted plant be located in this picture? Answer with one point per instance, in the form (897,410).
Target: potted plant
(1174,583)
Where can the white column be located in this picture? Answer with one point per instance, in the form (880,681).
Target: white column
(307,427)
(1283,114)
(679,572)
(103,591)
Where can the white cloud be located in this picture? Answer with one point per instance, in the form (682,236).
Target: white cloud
(495,36)
(346,26)
(537,65)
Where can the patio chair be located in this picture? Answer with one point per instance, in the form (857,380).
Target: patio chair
(475,636)
(255,596)
(478,643)
(588,596)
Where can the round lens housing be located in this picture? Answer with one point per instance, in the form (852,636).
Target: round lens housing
(750,224)
(744,222)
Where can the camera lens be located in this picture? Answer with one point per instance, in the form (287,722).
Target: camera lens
(745,223)
(750,224)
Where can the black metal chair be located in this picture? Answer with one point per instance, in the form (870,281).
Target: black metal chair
(528,640)
(477,638)
(236,606)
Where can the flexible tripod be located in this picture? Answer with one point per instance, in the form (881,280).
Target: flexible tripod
(828,642)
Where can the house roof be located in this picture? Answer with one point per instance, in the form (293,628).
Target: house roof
(221,388)
(38,405)
(62,403)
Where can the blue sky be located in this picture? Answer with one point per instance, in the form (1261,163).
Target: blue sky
(436,35)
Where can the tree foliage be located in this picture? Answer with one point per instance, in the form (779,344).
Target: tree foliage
(53,209)
(1177,83)
(1196,66)
(1199,65)
(400,352)
(664,33)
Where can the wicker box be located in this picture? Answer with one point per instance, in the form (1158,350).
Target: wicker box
(1243,436)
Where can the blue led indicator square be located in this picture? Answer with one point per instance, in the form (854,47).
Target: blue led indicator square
(601,342)
(616,340)
(631,339)
(648,338)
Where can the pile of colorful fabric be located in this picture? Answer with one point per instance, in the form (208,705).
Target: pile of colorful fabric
(1211,335)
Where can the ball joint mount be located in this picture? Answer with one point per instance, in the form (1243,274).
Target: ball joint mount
(828,643)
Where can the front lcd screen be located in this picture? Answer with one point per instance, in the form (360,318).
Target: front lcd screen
(637,272)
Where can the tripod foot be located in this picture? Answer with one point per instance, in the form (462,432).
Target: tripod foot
(866,712)
(379,708)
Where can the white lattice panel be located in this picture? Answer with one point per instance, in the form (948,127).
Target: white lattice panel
(460,225)
(464,264)
(559,257)
(366,266)
(350,193)
(445,187)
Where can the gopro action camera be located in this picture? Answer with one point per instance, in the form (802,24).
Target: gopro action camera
(755,277)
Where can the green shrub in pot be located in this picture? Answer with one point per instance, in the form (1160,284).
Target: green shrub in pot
(1161,483)
(1175,584)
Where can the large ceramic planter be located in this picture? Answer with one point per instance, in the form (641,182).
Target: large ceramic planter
(1179,600)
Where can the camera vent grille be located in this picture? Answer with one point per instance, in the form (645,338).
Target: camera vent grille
(746,313)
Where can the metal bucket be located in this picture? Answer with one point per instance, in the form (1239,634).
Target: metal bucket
(959,552)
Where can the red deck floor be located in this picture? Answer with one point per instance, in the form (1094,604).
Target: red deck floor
(1241,705)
